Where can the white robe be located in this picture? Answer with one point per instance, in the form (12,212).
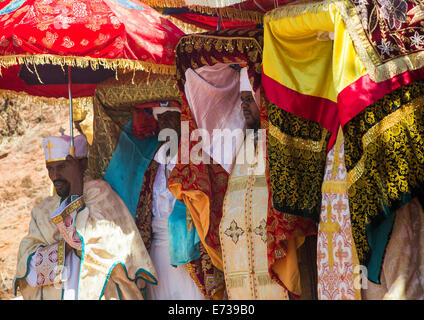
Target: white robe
(174,283)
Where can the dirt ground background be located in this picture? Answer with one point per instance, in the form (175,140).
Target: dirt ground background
(24,121)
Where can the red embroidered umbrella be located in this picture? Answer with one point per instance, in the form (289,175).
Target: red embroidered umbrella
(59,42)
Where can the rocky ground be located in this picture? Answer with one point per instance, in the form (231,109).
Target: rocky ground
(24,182)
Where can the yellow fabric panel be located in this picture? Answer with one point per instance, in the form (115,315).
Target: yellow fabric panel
(287,269)
(294,57)
(199,207)
(347,64)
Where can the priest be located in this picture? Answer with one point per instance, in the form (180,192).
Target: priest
(82,243)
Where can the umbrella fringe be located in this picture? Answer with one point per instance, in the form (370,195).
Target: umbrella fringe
(126,65)
(226,12)
(187,28)
(298,8)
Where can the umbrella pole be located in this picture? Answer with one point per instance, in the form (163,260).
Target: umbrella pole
(71,115)
(218,26)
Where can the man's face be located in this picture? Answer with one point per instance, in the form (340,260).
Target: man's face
(170,120)
(250,110)
(60,174)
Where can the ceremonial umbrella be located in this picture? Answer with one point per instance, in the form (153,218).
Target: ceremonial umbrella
(233,13)
(45,45)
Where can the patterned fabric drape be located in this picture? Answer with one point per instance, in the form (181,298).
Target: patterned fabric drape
(202,187)
(230,46)
(365,76)
(209,183)
(113,108)
(385,168)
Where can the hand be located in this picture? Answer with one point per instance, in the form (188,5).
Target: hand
(76,176)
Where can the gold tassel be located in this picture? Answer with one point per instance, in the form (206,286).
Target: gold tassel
(264,279)
(297,9)
(236,282)
(85,62)
(226,12)
(186,27)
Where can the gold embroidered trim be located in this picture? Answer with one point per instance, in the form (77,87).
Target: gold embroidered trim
(85,62)
(242,182)
(62,159)
(337,187)
(193,275)
(354,27)
(221,43)
(379,129)
(74,206)
(60,261)
(298,143)
(337,147)
(60,252)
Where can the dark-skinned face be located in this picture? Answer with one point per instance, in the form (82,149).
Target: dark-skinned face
(60,174)
(170,120)
(250,110)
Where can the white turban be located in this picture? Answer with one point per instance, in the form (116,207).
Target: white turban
(246,86)
(56,148)
(244,81)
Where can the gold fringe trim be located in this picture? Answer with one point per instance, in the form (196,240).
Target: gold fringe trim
(226,12)
(236,281)
(80,106)
(264,279)
(187,28)
(378,130)
(297,9)
(85,62)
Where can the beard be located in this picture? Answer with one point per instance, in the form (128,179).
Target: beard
(62,187)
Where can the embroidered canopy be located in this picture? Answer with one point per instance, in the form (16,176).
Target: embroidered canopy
(242,46)
(248,10)
(103,35)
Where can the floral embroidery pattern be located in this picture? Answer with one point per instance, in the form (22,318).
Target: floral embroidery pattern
(393,27)
(394,11)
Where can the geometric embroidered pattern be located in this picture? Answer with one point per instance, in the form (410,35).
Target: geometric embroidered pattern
(47,261)
(234,232)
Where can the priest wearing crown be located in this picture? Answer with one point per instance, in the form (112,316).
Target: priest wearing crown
(82,242)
